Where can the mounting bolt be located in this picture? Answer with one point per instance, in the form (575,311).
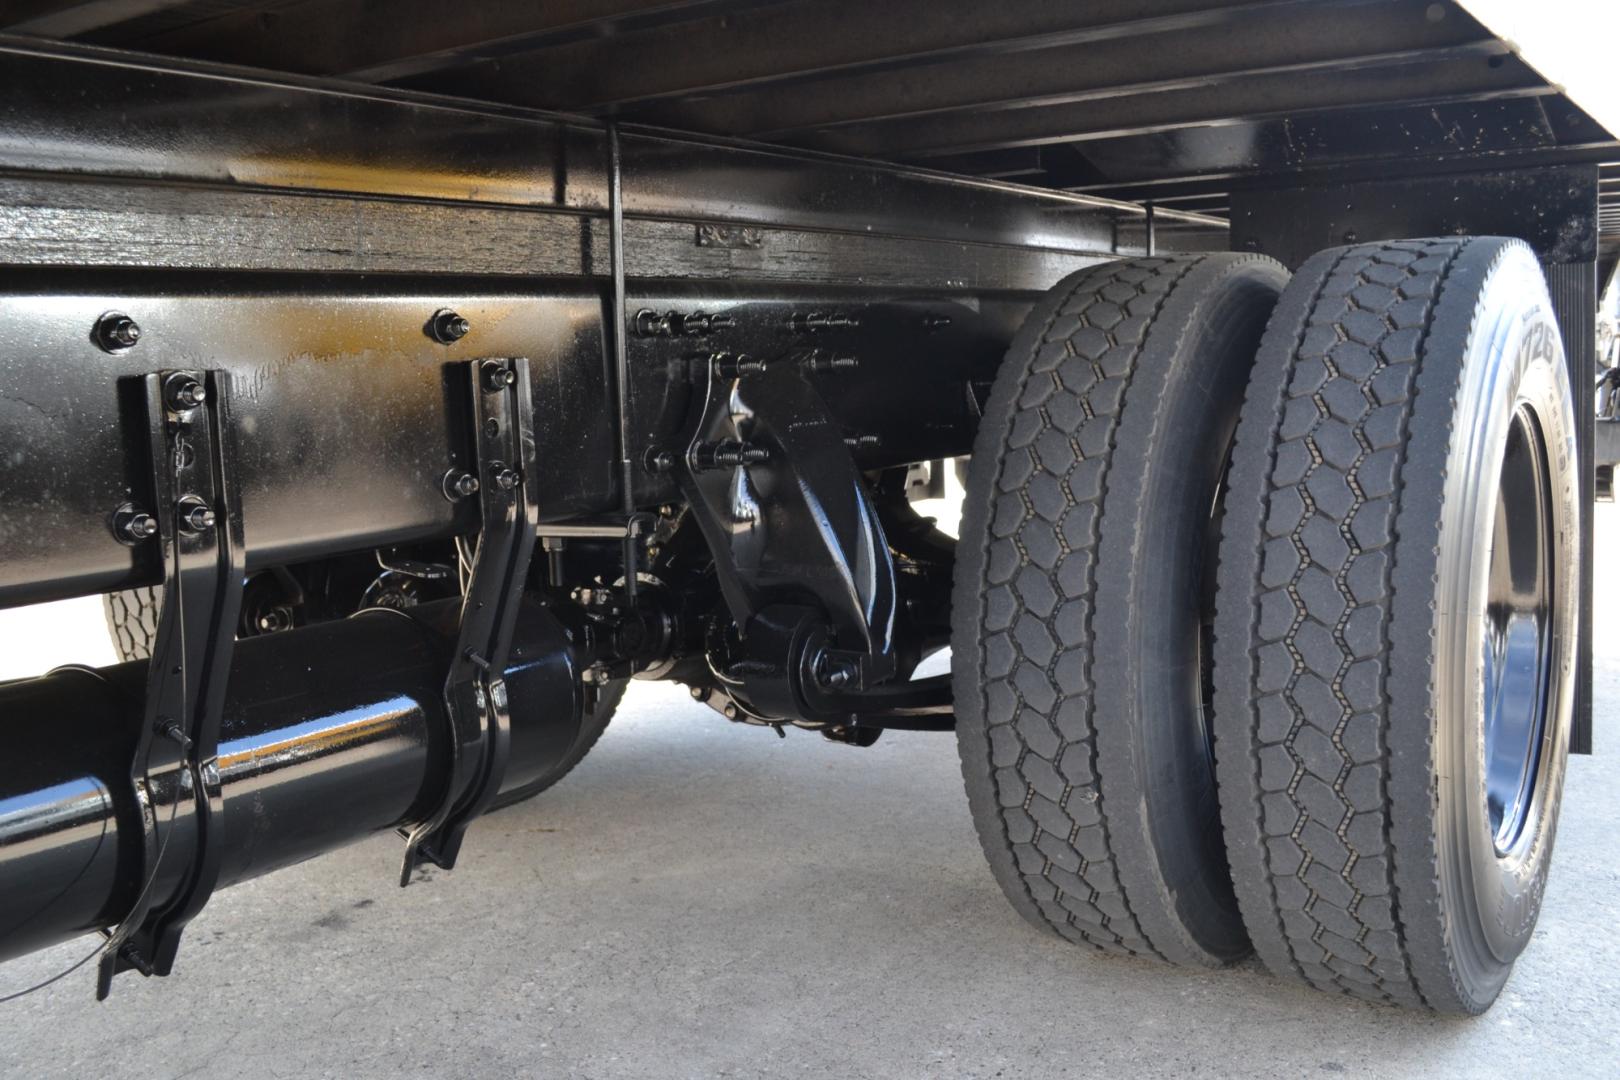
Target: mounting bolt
(651,324)
(505,478)
(116,332)
(660,461)
(698,324)
(729,454)
(131,526)
(276,619)
(446,327)
(171,729)
(182,391)
(131,955)
(836,671)
(497,376)
(458,484)
(728,366)
(141,527)
(824,362)
(195,515)
(697,693)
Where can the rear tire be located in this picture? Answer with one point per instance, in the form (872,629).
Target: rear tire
(132,618)
(1402,491)
(1081,597)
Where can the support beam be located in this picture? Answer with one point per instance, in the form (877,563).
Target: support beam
(67,111)
(804,42)
(1250,39)
(1411,79)
(410,38)
(69,18)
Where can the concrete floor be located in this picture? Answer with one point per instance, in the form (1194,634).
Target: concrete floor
(705,900)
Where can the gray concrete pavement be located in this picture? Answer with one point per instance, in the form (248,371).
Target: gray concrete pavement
(704,900)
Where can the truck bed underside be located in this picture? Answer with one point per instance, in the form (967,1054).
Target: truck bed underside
(1174,102)
(411,375)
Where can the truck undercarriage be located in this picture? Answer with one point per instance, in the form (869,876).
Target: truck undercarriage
(408,384)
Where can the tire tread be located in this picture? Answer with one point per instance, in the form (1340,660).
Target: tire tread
(132,618)
(1028,592)
(1302,633)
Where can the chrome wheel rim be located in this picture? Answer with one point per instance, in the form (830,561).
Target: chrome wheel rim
(1516,646)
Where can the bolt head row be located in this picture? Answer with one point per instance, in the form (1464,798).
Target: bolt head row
(133,526)
(458,484)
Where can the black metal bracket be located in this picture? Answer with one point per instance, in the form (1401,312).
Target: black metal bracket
(776,492)
(787,516)
(191,436)
(474,691)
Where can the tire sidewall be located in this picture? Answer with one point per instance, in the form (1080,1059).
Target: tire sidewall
(1124,731)
(1194,370)
(1513,358)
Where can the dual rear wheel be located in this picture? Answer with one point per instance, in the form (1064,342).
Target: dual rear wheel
(1265,613)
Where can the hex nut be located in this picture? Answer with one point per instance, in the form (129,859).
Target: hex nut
(182,391)
(458,484)
(131,525)
(195,515)
(446,327)
(116,332)
(498,376)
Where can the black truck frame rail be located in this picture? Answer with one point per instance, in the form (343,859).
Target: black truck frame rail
(228,216)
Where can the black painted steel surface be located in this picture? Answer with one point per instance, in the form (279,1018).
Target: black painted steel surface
(302,237)
(330,733)
(1175,101)
(345,405)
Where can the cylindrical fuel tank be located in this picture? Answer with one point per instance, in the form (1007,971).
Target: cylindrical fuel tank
(329,733)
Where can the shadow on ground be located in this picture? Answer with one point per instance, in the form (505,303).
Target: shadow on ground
(704,900)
